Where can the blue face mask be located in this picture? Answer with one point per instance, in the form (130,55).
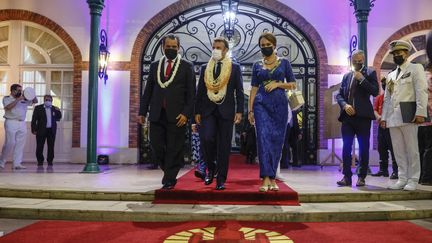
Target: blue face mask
(48,103)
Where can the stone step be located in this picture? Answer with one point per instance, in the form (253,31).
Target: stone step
(91,210)
(355,196)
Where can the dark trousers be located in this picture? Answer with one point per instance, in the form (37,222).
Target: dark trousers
(359,127)
(425,150)
(384,146)
(167,141)
(49,137)
(216,135)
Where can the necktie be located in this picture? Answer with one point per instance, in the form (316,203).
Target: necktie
(168,69)
(217,70)
(352,91)
(397,73)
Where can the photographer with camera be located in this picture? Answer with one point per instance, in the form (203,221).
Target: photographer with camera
(15,106)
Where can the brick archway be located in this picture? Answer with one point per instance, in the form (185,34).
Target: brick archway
(17,14)
(404,31)
(174,9)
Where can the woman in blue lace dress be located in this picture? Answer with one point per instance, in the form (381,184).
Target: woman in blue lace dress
(268,108)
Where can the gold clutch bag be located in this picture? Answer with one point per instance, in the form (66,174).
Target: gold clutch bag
(295,99)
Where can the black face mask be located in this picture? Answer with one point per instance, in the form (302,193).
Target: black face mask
(17,95)
(358,66)
(398,60)
(267,51)
(170,53)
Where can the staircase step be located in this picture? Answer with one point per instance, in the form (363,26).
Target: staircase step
(91,210)
(354,196)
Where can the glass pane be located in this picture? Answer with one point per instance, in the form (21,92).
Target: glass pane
(60,55)
(55,90)
(25,85)
(66,115)
(3,83)
(40,99)
(40,77)
(32,56)
(56,101)
(67,90)
(4,33)
(55,77)
(40,89)
(67,103)
(28,77)
(31,34)
(67,77)
(47,42)
(4,55)
(29,114)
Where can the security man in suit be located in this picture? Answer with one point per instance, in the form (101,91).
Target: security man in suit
(356,115)
(44,126)
(219,104)
(407,83)
(169,94)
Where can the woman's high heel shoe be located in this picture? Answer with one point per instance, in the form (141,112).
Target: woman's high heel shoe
(274,187)
(264,188)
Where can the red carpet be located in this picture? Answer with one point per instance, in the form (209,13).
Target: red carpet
(241,189)
(220,231)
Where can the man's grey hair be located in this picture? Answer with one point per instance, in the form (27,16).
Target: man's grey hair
(358,52)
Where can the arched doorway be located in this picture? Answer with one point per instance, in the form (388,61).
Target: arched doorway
(197,26)
(39,59)
(417,54)
(414,33)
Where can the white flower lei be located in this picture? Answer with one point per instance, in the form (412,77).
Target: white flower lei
(174,72)
(218,96)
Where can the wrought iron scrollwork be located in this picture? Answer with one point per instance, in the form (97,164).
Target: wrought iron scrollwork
(197,27)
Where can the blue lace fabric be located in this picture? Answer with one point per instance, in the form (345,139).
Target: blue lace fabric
(271,115)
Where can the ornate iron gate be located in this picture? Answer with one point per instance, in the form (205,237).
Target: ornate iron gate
(198,26)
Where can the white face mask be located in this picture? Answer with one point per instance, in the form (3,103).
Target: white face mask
(48,103)
(217,54)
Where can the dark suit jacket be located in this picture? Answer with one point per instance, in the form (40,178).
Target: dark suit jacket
(39,120)
(179,95)
(231,105)
(362,104)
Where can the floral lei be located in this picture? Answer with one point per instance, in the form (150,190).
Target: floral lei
(173,73)
(216,88)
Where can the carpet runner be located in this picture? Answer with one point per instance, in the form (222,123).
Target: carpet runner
(219,231)
(241,189)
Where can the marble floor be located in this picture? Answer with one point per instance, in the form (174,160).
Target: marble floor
(137,178)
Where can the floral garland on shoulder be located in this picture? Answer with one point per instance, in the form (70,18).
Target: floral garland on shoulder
(216,88)
(173,73)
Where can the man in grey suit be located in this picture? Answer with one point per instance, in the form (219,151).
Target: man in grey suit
(407,83)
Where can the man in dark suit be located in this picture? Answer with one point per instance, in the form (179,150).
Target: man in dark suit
(169,97)
(219,104)
(44,126)
(356,115)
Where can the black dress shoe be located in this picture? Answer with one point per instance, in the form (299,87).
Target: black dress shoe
(345,182)
(220,186)
(168,186)
(394,176)
(426,183)
(200,175)
(209,178)
(381,173)
(361,182)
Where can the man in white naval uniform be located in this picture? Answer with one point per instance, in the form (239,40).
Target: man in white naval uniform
(407,83)
(15,106)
